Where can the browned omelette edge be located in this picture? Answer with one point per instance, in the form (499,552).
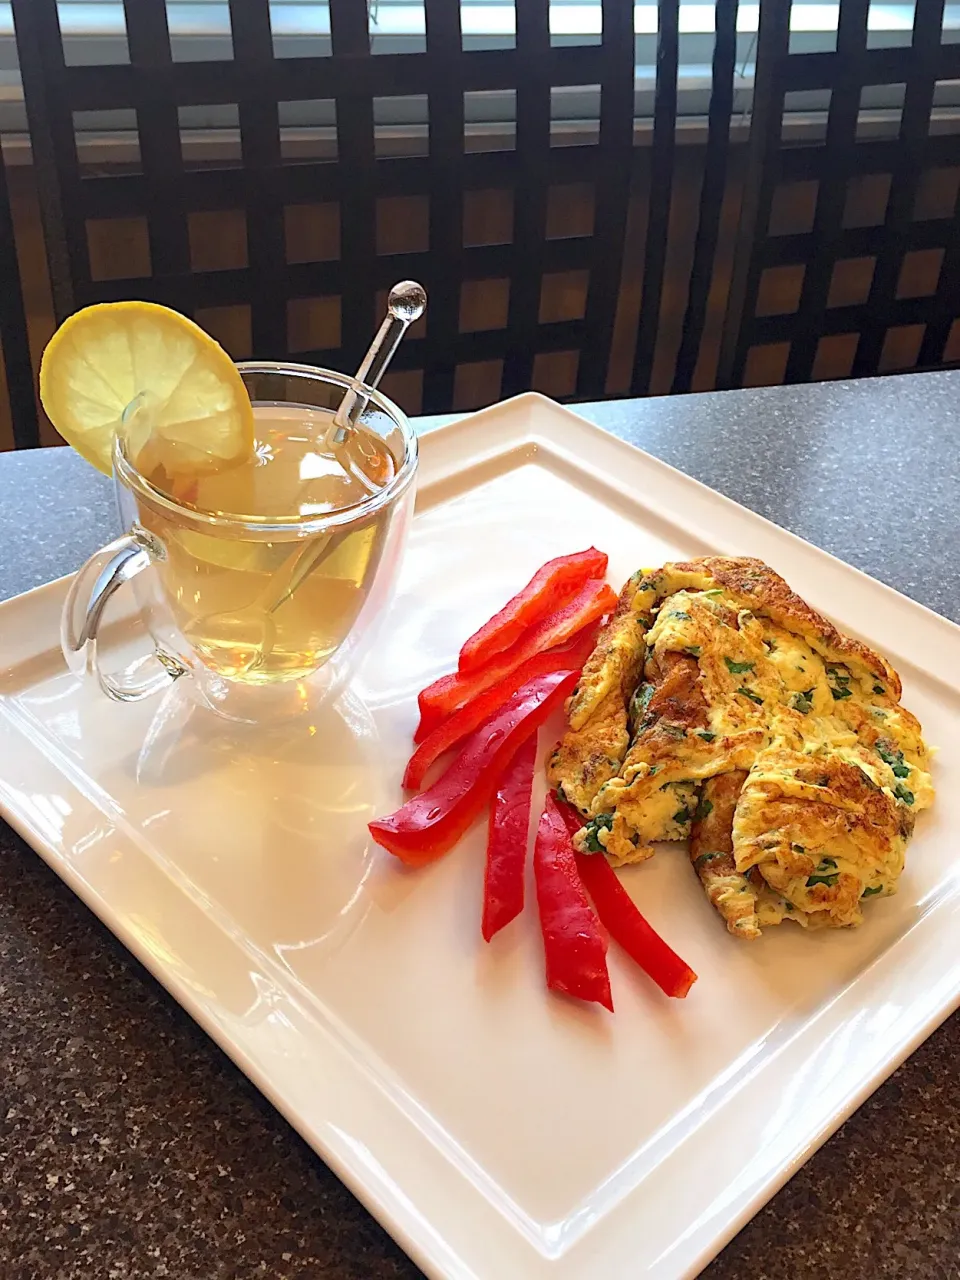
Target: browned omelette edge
(767,593)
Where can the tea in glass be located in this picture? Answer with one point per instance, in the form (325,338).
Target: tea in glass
(260,606)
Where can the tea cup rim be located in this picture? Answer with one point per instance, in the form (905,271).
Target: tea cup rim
(296,526)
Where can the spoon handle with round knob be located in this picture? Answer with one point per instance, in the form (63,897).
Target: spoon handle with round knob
(406,303)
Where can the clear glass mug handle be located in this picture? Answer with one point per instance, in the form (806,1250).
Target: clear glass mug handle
(96,582)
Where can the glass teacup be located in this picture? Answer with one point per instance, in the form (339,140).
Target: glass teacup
(258,577)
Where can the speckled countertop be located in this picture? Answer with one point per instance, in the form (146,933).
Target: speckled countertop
(130,1147)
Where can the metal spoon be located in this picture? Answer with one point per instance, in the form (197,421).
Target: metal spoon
(406,303)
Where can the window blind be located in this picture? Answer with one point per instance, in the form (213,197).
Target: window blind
(94,33)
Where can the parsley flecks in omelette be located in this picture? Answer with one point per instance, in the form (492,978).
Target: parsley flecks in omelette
(591,832)
(738,668)
(706,858)
(889,754)
(826,873)
(839,683)
(826,788)
(639,704)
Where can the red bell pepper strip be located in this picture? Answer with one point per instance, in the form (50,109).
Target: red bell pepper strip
(549,587)
(451,730)
(450,693)
(573,943)
(507,841)
(621,917)
(625,924)
(431,823)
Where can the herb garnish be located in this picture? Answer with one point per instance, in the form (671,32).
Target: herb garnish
(602,822)
(704,809)
(738,668)
(639,703)
(802,702)
(889,754)
(706,858)
(826,873)
(838,681)
(752,696)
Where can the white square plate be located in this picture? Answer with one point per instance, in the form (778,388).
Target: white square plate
(494,1129)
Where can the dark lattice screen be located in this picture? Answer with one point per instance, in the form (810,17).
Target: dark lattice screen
(712,192)
(849,256)
(13,332)
(365,194)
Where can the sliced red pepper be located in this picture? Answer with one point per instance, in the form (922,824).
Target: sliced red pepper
(449,732)
(573,943)
(431,823)
(507,841)
(450,693)
(621,917)
(549,587)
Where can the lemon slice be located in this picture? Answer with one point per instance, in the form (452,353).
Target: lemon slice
(191,404)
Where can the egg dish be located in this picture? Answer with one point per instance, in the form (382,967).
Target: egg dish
(719,708)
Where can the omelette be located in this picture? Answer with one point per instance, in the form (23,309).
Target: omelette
(720,709)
